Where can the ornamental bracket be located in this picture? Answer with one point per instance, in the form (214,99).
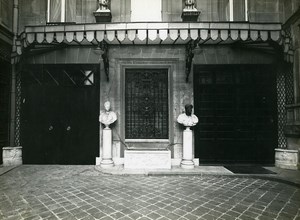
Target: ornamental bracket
(189,55)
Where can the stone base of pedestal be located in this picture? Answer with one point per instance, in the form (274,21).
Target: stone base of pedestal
(177,161)
(187,164)
(287,159)
(117,161)
(98,160)
(146,159)
(106,163)
(12,156)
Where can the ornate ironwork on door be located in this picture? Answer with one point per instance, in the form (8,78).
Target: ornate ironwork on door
(62,75)
(146,104)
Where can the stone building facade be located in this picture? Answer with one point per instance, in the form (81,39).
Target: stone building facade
(237,62)
(291,27)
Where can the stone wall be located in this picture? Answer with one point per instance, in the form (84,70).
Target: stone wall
(6,11)
(289,8)
(212,54)
(293,24)
(295,29)
(265,10)
(34,12)
(75,54)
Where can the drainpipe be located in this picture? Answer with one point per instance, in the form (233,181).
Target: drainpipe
(13,76)
(12,155)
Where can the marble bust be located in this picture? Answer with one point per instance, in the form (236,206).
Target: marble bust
(107,117)
(189,5)
(188,119)
(103,5)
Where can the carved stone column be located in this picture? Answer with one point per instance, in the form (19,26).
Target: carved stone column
(188,120)
(107,117)
(107,149)
(187,157)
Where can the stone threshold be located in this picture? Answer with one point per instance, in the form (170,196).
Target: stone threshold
(175,170)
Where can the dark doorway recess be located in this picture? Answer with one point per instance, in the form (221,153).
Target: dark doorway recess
(60,108)
(248,169)
(5,72)
(237,110)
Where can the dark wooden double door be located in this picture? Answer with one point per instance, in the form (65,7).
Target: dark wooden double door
(237,110)
(5,73)
(60,111)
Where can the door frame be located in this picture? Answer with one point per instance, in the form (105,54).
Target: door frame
(149,64)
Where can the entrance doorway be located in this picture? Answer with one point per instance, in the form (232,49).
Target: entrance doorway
(237,110)
(60,108)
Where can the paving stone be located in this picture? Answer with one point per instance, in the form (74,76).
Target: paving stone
(191,216)
(106,218)
(58,210)
(64,215)
(179,212)
(208,217)
(286,215)
(135,215)
(226,217)
(32,218)
(126,218)
(144,211)
(162,212)
(245,217)
(46,214)
(215,213)
(233,213)
(14,218)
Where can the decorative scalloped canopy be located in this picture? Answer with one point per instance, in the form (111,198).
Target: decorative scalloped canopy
(150,34)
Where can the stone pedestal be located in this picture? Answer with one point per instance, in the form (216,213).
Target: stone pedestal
(190,12)
(147,159)
(12,156)
(287,159)
(102,16)
(190,16)
(107,148)
(187,158)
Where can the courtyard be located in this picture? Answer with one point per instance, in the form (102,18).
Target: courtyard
(82,192)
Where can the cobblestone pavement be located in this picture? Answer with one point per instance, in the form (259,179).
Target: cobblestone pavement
(81,192)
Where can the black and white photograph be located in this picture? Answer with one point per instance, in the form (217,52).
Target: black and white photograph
(150,109)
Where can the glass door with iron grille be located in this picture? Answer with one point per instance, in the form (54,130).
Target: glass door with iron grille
(146,105)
